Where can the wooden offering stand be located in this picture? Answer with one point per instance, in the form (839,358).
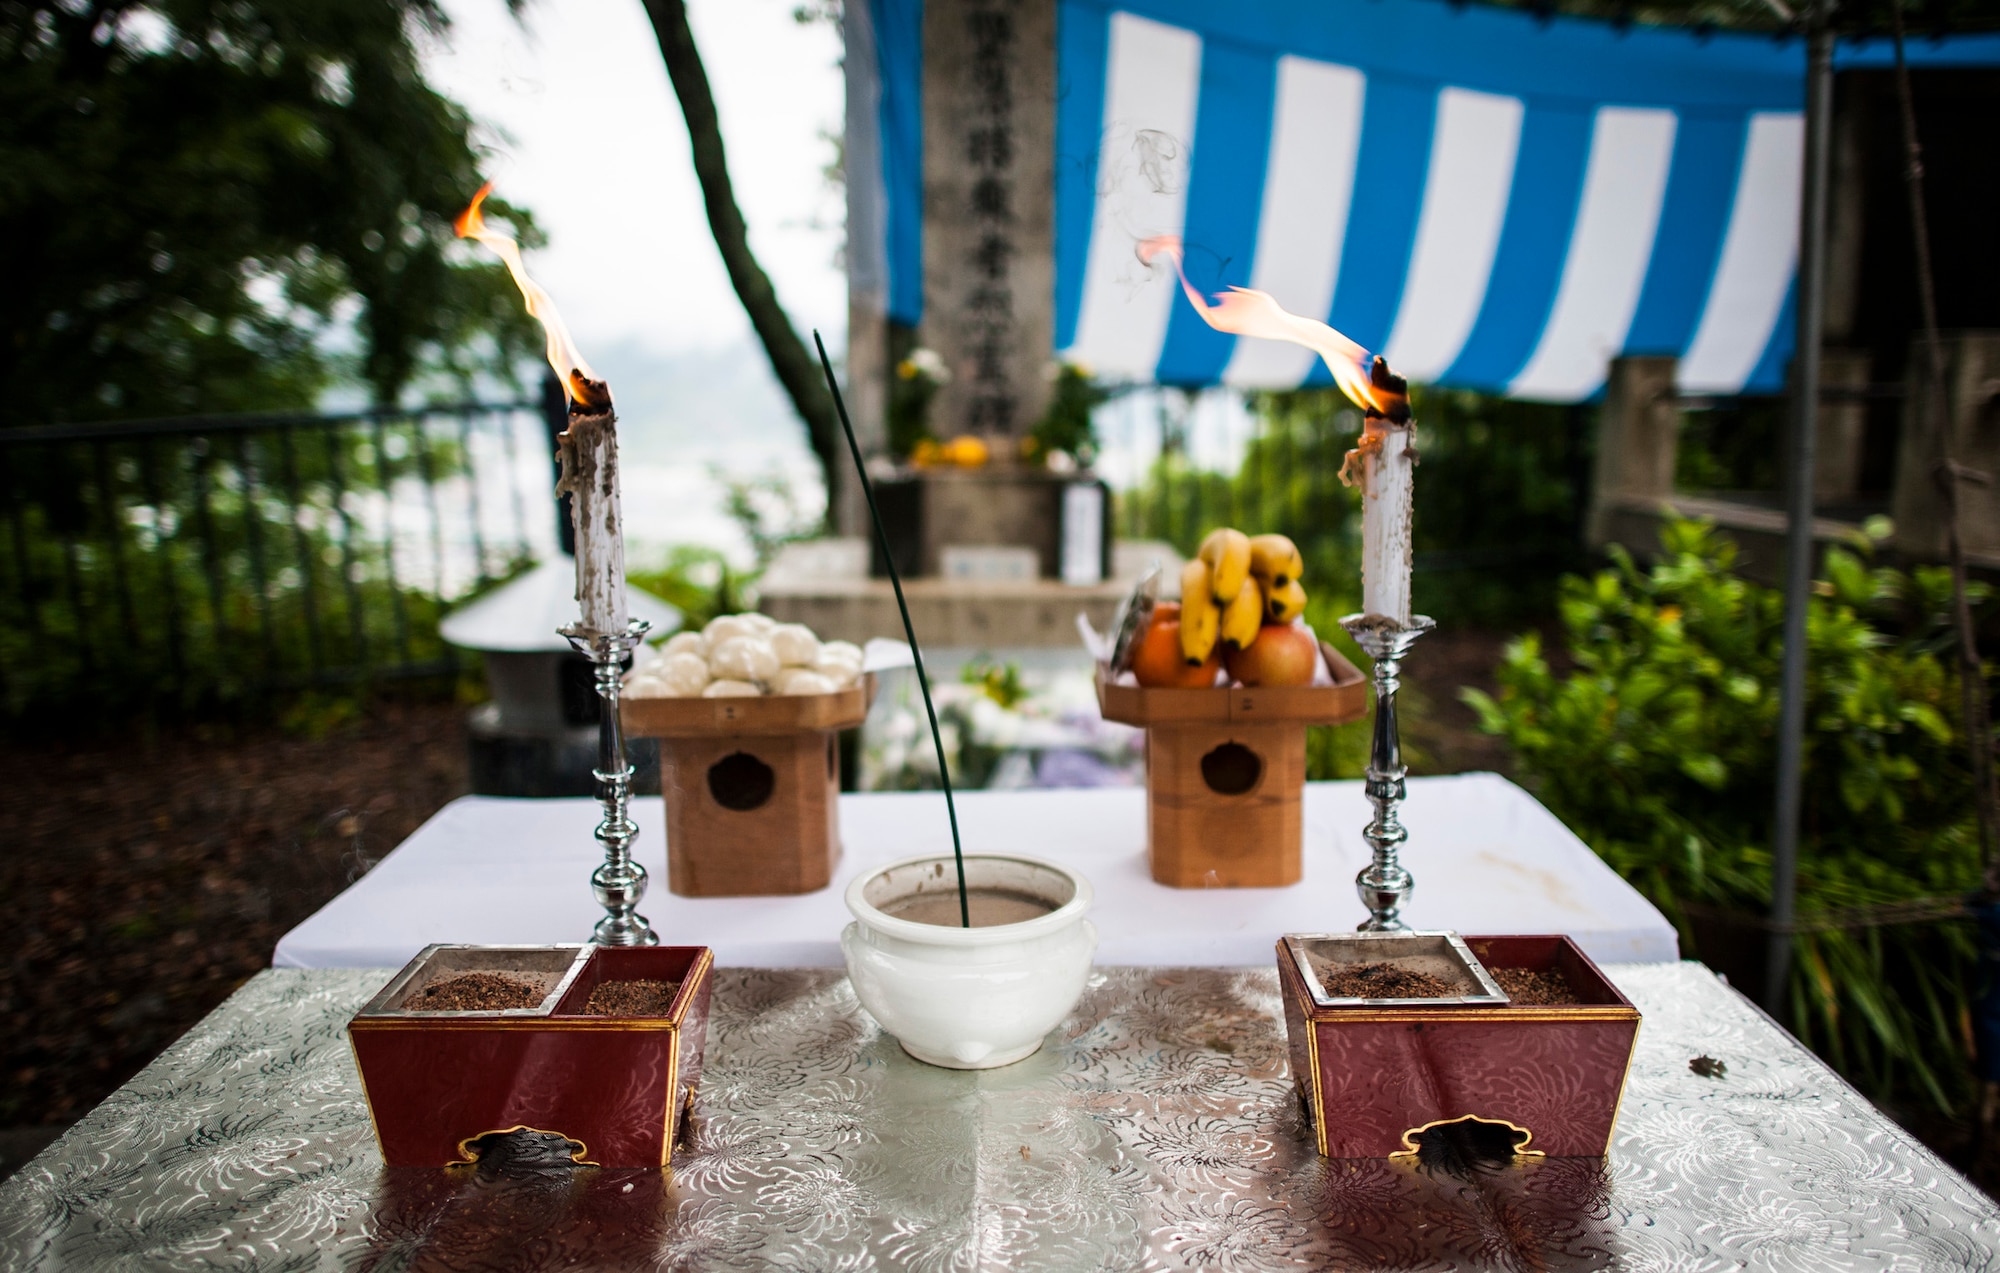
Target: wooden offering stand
(619,1088)
(1226,772)
(752,787)
(1377,1074)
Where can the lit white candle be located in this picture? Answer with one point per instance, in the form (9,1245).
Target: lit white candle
(1388,468)
(1383,464)
(588,450)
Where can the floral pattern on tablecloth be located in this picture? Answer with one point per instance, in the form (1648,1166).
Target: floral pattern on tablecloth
(1157,1130)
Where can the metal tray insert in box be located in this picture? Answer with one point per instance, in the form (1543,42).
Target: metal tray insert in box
(552,968)
(1441,954)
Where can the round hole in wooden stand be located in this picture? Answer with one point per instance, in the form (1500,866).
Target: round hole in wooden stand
(1231,769)
(741,782)
(832,758)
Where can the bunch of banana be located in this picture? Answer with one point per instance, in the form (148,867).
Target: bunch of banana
(1234,586)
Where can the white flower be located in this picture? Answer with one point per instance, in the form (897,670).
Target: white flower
(929,364)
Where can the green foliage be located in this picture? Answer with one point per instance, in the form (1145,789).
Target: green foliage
(768,510)
(919,374)
(1731,448)
(1498,494)
(1287,484)
(1338,751)
(1000,682)
(1066,426)
(1499,505)
(697,580)
(196,197)
(205,575)
(700,580)
(1659,747)
(1498,491)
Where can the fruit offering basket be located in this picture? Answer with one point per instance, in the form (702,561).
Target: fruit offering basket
(1226,770)
(750,756)
(1224,682)
(600,1045)
(1395,1033)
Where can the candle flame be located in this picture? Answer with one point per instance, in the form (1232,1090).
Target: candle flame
(1243,311)
(580,384)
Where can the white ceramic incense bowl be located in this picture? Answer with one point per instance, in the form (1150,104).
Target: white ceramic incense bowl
(969,998)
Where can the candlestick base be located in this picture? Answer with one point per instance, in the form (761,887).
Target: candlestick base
(620,882)
(1384,885)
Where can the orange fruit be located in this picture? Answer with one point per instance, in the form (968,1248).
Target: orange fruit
(1158,664)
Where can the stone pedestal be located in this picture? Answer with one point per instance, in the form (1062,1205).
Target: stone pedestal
(825,585)
(1638,431)
(1971,437)
(928,513)
(989,96)
(1843,420)
(1639,435)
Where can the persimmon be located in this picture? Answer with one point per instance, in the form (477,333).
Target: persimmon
(1158,663)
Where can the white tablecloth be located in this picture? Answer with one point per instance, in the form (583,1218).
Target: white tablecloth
(1487,858)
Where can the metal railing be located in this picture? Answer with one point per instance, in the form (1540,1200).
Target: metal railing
(182,562)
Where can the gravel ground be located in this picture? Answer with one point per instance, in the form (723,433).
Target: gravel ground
(147,880)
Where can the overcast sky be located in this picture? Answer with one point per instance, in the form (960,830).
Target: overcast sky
(584,129)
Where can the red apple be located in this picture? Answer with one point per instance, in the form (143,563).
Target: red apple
(1282,654)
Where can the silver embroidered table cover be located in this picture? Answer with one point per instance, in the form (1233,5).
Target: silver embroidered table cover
(1157,1130)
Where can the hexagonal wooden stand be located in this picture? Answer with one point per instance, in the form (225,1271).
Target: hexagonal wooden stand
(1226,771)
(752,787)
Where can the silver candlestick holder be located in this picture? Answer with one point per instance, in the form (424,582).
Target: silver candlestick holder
(620,882)
(1384,885)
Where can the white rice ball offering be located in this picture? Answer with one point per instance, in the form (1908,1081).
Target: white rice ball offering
(685,643)
(727,627)
(731,689)
(744,658)
(803,680)
(646,685)
(840,660)
(684,675)
(757,619)
(796,645)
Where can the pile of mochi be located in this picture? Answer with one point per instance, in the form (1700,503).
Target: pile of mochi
(738,655)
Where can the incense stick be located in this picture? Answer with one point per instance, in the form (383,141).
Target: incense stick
(909,630)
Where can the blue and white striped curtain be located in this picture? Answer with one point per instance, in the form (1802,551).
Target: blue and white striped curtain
(1489,200)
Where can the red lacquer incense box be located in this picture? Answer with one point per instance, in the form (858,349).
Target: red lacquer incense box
(619,1087)
(1376,1074)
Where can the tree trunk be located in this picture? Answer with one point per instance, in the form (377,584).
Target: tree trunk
(795,366)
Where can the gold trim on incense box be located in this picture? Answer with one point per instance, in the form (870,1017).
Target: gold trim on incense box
(467,1158)
(1521,1150)
(1496,1012)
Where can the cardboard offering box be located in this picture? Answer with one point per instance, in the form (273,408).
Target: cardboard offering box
(1376,1073)
(620,1087)
(1226,772)
(752,787)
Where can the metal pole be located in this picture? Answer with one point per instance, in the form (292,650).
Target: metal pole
(1799,538)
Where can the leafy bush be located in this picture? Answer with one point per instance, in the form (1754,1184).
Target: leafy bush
(198,575)
(1659,749)
(202,202)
